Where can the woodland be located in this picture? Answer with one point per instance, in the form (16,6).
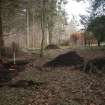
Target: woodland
(46,60)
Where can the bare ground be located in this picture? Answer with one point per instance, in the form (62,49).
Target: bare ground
(61,85)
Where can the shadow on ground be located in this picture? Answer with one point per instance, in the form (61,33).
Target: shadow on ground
(68,59)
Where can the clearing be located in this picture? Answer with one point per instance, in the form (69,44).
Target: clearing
(61,85)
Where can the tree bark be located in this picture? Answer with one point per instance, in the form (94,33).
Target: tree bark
(28,31)
(99,43)
(1,32)
(85,42)
(50,36)
(43,29)
(42,41)
(33,36)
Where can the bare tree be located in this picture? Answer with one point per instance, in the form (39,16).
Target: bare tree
(28,31)
(1,33)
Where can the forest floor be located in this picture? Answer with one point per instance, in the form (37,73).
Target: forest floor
(56,85)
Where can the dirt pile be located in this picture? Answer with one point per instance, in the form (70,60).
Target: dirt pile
(52,46)
(67,59)
(96,65)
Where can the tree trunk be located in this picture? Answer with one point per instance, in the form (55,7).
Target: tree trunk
(42,41)
(28,31)
(50,36)
(33,36)
(59,39)
(1,33)
(85,42)
(43,30)
(99,43)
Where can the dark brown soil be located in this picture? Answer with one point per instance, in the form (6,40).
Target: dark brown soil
(52,46)
(96,65)
(67,59)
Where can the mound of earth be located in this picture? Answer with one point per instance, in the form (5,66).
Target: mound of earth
(95,64)
(67,59)
(52,46)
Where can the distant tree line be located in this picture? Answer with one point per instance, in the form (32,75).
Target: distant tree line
(95,22)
